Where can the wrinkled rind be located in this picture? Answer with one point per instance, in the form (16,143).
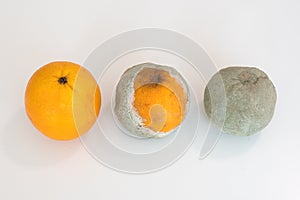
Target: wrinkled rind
(124,97)
(239,107)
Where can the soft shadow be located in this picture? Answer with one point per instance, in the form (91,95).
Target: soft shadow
(231,145)
(206,134)
(26,146)
(225,146)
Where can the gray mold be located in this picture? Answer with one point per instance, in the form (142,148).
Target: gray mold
(240,100)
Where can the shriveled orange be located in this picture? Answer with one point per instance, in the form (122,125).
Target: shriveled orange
(62,100)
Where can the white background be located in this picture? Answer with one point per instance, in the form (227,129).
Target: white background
(259,32)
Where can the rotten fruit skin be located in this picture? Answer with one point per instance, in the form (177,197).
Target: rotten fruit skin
(150,100)
(240,100)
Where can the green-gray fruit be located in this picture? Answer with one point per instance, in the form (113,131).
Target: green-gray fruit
(240,100)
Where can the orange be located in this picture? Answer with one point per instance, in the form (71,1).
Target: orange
(62,100)
(159,99)
(151,100)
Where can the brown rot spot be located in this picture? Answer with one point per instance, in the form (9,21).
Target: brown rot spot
(62,80)
(247,78)
(157,76)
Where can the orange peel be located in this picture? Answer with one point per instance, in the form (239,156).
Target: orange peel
(151,100)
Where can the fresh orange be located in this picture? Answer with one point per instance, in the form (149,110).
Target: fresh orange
(62,100)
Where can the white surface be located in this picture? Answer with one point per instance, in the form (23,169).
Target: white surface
(261,33)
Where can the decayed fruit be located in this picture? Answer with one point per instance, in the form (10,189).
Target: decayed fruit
(151,100)
(240,100)
(62,100)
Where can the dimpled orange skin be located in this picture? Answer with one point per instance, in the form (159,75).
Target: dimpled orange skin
(62,100)
(157,88)
(153,94)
